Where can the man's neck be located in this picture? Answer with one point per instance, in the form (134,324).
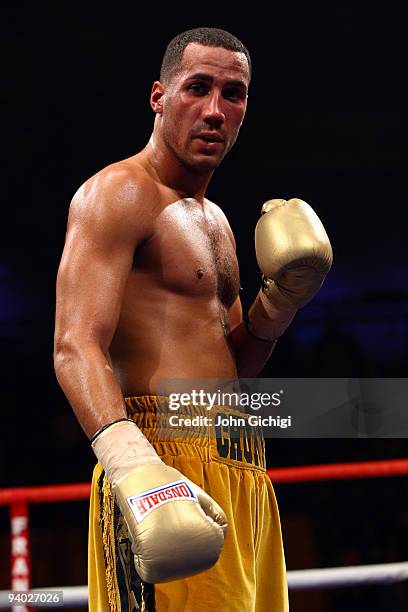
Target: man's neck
(169,171)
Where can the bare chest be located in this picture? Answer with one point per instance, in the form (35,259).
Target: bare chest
(192,252)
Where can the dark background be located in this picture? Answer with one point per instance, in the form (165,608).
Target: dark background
(326,122)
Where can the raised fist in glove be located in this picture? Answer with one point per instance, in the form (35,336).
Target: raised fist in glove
(176,529)
(294,253)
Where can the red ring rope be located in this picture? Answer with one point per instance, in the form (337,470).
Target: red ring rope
(334,471)
(338,471)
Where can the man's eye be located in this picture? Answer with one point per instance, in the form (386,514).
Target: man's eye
(198,88)
(234,94)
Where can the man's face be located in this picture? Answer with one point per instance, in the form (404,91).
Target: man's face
(204,105)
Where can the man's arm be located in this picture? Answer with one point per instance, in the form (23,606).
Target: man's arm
(251,354)
(294,254)
(107,220)
(109,217)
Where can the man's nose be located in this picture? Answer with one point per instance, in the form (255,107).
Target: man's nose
(213,114)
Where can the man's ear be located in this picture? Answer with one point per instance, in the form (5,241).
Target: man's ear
(157,97)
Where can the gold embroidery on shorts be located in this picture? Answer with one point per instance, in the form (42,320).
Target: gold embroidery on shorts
(108,539)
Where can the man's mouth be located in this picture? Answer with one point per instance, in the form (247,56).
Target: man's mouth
(209,137)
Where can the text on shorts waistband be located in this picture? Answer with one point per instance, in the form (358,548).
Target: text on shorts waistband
(227,433)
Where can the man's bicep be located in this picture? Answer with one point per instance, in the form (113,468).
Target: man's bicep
(90,285)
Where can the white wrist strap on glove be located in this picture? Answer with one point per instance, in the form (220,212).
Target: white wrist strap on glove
(121,447)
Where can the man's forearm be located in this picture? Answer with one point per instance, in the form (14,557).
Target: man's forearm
(251,354)
(89,384)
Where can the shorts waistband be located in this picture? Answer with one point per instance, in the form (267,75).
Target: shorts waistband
(220,434)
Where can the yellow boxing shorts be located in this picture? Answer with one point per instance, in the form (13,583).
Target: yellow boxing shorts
(227,461)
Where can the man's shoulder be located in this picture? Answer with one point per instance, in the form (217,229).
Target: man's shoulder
(120,177)
(119,188)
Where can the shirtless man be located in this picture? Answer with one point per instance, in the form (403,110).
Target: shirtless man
(148,290)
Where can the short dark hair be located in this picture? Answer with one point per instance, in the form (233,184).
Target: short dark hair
(209,37)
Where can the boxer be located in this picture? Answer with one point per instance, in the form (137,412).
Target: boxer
(148,289)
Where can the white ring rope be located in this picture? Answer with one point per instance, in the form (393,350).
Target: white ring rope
(339,577)
(333,577)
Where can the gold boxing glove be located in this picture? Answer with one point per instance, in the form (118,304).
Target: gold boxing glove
(294,253)
(176,529)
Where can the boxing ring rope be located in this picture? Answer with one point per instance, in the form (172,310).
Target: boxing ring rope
(18,499)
